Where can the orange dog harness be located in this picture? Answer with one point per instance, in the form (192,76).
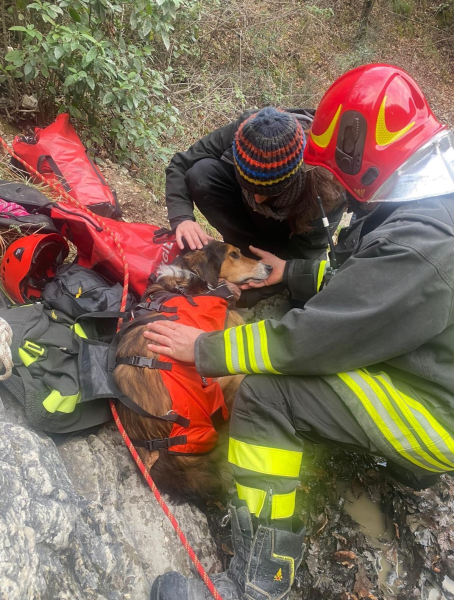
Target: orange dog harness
(198,405)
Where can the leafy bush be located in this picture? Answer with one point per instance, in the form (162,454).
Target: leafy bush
(107,62)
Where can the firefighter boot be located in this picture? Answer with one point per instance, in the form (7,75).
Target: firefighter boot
(262,568)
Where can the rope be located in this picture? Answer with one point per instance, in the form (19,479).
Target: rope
(6,338)
(121,429)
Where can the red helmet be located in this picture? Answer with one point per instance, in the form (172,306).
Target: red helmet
(29,263)
(369,122)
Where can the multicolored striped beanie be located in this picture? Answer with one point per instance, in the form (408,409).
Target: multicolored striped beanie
(268,151)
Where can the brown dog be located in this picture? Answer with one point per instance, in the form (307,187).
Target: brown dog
(189,477)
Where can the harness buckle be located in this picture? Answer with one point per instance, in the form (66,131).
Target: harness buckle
(158,444)
(137,361)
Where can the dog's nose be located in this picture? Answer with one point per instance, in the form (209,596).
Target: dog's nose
(268,268)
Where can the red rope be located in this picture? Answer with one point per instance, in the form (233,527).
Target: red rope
(121,429)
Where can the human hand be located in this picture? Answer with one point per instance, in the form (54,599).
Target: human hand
(233,287)
(172,339)
(276,275)
(193,234)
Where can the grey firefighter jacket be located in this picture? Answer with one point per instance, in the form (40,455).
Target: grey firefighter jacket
(389,309)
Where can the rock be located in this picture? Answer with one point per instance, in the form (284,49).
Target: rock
(78,522)
(29,102)
(271,308)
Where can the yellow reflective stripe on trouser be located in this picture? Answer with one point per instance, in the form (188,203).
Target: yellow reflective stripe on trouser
(269,461)
(390,424)
(435,437)
(321,274)
(255,349)
(56,402)
(282,505)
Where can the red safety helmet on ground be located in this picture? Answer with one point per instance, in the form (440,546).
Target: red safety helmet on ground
(29,263)
(369,122)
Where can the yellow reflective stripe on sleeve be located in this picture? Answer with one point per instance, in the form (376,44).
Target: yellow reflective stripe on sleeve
(254,498)
(56,402)
(399,422)
(250,349)
(400,400)
(321,273)
(241,355)
(264,348)
(77,328)
(380,423)
(283,505)
(228,351)
(269,461)
(253,346)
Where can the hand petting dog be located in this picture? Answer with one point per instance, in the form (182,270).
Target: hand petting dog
(277,274)
(173,339)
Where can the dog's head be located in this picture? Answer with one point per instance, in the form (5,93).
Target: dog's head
(215,261)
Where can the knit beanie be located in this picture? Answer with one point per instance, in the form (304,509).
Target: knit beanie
(268,151)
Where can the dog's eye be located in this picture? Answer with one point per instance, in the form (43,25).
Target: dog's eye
(235,255)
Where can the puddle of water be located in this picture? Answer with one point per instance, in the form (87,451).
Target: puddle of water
(370,517)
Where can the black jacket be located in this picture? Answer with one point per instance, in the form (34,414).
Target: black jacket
(217,144)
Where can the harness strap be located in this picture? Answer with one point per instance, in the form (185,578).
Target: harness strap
(112,363)
(143,361)
(160,444)
(155,305)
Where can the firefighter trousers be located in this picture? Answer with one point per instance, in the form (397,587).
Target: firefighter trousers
(271,418)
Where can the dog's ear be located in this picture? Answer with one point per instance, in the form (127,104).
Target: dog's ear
(207,263)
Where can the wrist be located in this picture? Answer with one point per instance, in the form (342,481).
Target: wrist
(175,221)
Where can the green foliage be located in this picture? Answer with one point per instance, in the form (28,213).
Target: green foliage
(444,14)
(107,62)
(403,7)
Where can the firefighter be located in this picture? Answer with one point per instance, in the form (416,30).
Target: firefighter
(368,365)
(249,180)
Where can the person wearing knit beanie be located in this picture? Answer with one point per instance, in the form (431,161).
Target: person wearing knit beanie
(249,181)
(268,152)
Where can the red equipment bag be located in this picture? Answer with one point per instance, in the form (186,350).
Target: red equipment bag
(58,154)
(97,250)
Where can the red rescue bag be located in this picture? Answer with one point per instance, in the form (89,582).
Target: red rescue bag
(97,250)
(58,154)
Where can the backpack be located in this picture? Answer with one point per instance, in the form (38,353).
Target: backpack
(50,351)
(60,349)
